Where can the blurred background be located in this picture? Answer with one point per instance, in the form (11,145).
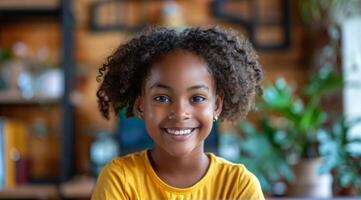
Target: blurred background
(303,140)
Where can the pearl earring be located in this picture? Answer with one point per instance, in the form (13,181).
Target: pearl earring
(139,114)
(215,118)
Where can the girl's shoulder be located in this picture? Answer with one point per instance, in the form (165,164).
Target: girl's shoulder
(114,180)
(224,163)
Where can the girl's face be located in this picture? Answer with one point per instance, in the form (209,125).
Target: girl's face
(178,103)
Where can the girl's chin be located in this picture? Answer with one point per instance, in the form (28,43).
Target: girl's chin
(179,151)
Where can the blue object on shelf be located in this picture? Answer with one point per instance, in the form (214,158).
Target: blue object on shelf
(133,134)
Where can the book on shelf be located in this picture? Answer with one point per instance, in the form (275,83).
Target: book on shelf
(13,153)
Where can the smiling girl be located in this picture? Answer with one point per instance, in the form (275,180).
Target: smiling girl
(179,83)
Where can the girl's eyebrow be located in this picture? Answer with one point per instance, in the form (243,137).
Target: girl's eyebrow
(159,85)
(199,86)
(194,87)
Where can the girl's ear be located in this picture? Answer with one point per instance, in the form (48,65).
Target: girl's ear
(138,107)
(218,104)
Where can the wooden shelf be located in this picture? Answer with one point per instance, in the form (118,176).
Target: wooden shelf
(27,8)
(79,187)
(34,191)
(14,99)
(29,4)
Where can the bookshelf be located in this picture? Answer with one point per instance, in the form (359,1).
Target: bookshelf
(60,10)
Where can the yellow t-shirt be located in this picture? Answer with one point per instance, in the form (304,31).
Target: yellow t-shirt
(132,177)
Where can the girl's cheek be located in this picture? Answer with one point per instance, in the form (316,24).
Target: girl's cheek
(206,111)
(155,111)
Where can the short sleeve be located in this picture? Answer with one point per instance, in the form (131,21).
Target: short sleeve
(249,187)
(111,183)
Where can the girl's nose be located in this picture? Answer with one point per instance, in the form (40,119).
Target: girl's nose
(179,111)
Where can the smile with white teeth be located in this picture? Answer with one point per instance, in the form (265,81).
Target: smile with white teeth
(178,132)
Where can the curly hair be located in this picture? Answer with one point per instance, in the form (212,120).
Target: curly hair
(230,58)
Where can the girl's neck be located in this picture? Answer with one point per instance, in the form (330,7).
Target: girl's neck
(181,172)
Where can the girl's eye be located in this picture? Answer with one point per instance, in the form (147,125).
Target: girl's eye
(162,99)
(197,99)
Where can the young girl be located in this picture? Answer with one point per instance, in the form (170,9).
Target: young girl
(179,83)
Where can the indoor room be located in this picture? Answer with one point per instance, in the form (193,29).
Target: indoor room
(291,117)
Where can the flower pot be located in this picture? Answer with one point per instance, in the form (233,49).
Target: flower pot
(308,182)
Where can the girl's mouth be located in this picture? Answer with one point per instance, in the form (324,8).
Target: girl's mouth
(179,134)
(184,131)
